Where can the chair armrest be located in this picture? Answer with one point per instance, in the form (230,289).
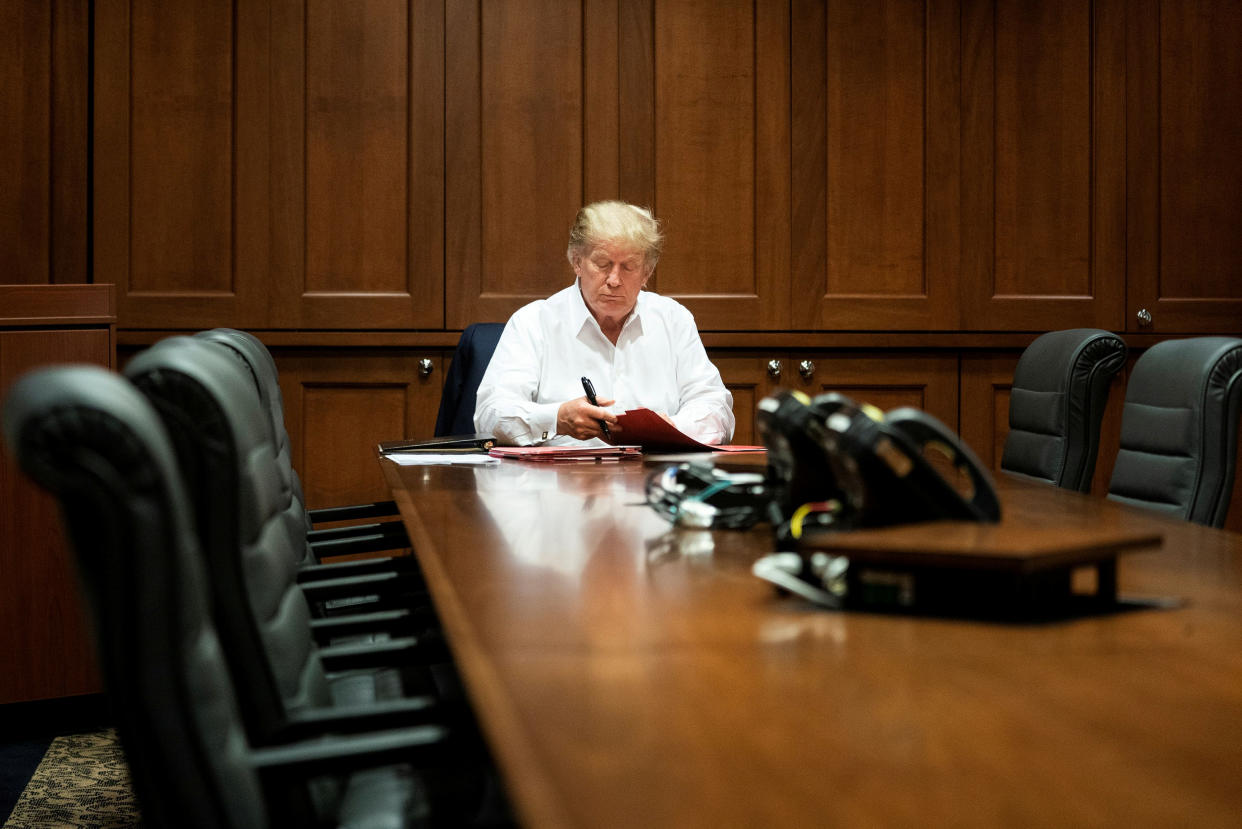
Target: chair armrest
(401,622)
(404,566)
(408,712)
(405,650)
(422,745)
(379,509)
(368,543)
(367,584)
(393,528)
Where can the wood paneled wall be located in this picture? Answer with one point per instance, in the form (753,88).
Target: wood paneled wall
(948,165)
(837,178)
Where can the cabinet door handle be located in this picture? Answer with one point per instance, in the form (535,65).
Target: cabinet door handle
(806,368)
(1144,317)
(774,369)
(425,367)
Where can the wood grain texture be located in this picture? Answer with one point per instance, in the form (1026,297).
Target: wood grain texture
(70,141)
(338,406)
(25,140)
(175,172)
(875,164)
(1043,125)
(720,167)
(627,674)
(517,170)
(358,165)
(1185,136)
(45,644)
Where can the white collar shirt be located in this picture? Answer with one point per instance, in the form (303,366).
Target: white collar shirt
(549,345)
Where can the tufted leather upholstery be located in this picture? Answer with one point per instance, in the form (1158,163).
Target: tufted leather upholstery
(220,431)
(90,438)
(95,442)
(264,619)
(461,383)
(1179,429)
(261,368)
(1059,390)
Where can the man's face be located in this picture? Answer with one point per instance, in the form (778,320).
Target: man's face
(611,274)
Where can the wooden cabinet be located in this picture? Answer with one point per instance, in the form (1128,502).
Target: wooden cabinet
(953,165)
(1184,137)
(44,98)
(884,379)
(875,222)
(1043,165)
(340,404)
(44,643)
(270,165)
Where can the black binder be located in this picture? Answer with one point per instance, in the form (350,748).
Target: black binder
(448,443)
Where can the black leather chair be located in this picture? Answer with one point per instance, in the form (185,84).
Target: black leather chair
(90,438)
(372,537)
(219,432)
(1059,391)
(474,352)
(1179,429)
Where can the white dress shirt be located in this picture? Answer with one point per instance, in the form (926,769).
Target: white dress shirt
(548,346)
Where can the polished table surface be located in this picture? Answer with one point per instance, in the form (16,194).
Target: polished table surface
(629,674)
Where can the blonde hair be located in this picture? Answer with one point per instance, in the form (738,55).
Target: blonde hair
(616,221)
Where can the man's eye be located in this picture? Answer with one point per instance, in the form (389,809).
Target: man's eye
(603,266)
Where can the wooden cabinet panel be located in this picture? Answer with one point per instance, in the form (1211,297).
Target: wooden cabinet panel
(925,381)
(338,406)
(25,167)
(875,222)
(517,150)
(1184,174)
(357,161)
(178,117)
(45,646)
(272,167)
(747,379)
(721,158)
(44,95)
(1043,178)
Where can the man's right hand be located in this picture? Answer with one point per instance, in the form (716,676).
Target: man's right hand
(578,419)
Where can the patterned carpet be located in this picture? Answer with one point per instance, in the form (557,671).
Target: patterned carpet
(82,781)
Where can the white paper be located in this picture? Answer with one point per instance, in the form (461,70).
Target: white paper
(429,459)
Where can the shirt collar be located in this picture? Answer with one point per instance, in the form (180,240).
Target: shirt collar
(582,314)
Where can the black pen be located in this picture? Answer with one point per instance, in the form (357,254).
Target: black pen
(590,393)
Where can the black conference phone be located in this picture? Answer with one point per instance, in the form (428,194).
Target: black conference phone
(836,463)
(833,465)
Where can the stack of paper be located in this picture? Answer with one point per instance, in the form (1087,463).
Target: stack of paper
(557,454)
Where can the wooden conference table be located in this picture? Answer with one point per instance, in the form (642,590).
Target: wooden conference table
(629,674)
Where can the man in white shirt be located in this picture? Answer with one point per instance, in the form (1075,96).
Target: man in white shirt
(638,348)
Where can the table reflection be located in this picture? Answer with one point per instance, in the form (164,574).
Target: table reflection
(561,517)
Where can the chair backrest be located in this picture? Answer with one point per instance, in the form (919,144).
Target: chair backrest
(1179,429)
(90,438)
(461,383)
(250,351)
(1059,391)
(220,433)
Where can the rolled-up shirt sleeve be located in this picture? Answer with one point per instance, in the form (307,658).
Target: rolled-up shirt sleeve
(705,412)
(505,405)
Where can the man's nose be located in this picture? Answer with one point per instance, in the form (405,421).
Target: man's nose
(614,275)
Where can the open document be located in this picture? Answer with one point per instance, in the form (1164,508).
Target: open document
(655,434)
